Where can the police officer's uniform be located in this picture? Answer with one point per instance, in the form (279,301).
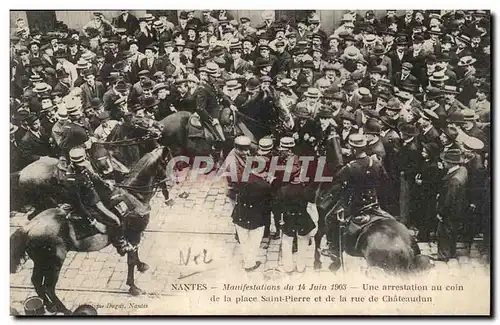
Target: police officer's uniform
(248,215)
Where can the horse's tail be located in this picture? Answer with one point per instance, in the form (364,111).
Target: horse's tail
(18,245)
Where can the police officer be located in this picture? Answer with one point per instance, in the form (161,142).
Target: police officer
(77,132)
(81,183)
(361,177)
(251,206)
(296,222)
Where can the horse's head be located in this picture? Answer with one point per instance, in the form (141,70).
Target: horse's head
(148,173)
(100,158)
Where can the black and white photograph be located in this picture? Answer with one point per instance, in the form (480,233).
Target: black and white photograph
(250,162)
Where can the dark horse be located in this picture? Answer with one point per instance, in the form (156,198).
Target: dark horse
(40,184)
(177,137)
(129,141)
(385,243)
(50,236)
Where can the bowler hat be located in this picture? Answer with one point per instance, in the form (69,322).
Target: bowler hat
(149,102)
(409,130)
(324,112)
(452,156)
(372,126)
(407,66)
(357,140)
(456,118)
(349,85)
(379,49)
(159,86)
(103,116)
(433,93)
(301,112)
(432,148)
(348,116)
(253,83)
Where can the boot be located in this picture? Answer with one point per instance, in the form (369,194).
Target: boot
(120,242)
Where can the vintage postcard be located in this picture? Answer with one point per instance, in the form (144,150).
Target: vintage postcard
(250,162)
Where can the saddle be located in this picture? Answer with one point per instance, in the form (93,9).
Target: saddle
(358,224)
(78,224)
(195,128)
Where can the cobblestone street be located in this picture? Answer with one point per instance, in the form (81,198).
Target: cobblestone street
(191,241)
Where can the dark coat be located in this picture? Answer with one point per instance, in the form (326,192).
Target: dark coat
(206,101)
(34,147)
(156,66)
(73,135)
(131,24)
(452,196)
(252,203)
(89,93)
(409,160)
(16,157)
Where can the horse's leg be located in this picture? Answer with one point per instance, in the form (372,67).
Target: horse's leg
(51,274)
(132,259)
(317,247)
(37,280)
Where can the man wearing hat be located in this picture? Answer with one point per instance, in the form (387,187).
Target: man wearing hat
(35,144)
(251,203)
(409,161)
(428,133)
(59,126)
(328,140)
(16,157)
(91,88)
(404,77)
(78,130)
(451,104)
(452,203)
(362,177)
(239,65)
(47,116)
(81,181)
(207,106)
(105,127)
(150,62)
(374,147)
(128,21)
(99,23)
(470,126)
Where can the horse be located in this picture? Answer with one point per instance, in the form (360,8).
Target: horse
(235,123)
(385,243)
(40,184)
(176,137)
(129,141)
(50,235)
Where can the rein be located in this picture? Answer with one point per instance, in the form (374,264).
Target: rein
(127,142)
(140,189)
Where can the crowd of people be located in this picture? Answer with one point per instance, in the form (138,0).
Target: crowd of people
(399,105)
